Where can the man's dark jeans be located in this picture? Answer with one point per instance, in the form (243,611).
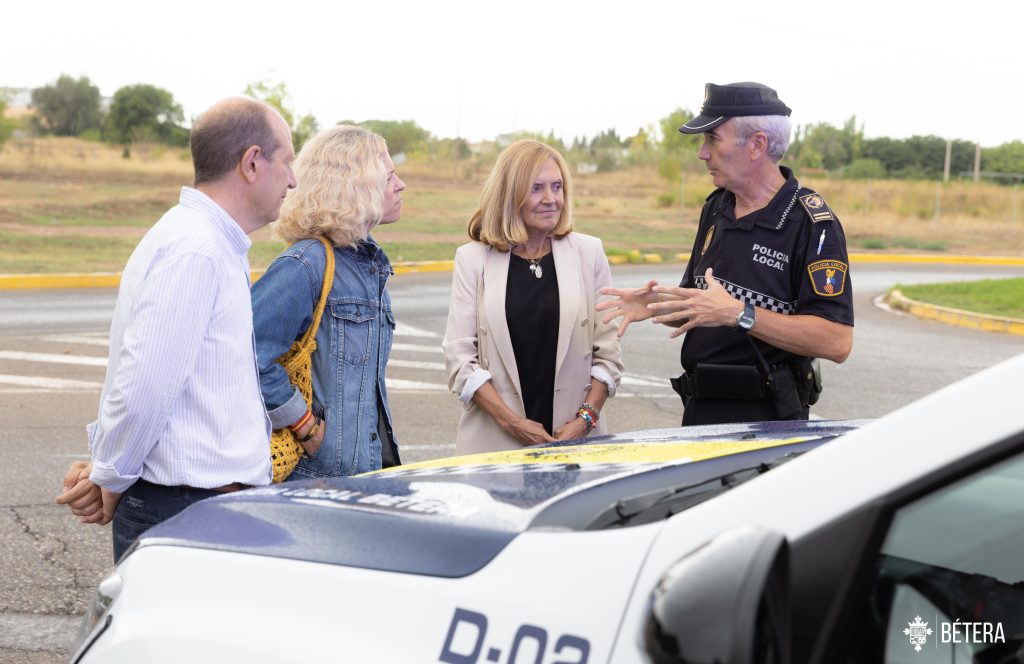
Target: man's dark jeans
(144,505)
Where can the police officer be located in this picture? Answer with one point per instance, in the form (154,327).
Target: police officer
(767,288)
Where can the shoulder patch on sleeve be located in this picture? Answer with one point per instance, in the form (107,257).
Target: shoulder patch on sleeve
(828,277)
(817,208)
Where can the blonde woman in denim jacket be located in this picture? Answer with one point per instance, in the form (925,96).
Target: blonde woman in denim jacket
(347,185)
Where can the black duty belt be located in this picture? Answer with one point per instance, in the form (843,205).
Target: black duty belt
(722,381)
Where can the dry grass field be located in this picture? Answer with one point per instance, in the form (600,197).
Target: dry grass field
(72,206)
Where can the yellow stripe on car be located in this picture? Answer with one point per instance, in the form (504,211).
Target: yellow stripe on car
(681,451)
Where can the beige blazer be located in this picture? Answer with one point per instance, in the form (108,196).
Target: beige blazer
(477,346)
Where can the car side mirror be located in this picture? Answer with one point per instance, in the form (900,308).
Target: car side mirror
(724,603)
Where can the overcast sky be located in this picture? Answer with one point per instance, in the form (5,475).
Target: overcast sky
(481,68)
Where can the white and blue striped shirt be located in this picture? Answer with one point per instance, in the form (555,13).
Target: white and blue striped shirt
(181,403)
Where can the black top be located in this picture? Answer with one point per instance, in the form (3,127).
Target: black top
(788,257)
(531,309)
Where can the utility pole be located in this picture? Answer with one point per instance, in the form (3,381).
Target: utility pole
(977,162)
(949,157)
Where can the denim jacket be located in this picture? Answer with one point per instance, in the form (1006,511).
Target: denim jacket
(353,343)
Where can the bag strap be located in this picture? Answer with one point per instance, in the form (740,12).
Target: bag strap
(324,292)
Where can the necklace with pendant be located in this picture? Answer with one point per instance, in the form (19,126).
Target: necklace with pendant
(535,267)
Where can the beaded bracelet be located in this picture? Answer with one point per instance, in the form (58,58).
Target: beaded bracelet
(591,410)
(587,420)
(588,413)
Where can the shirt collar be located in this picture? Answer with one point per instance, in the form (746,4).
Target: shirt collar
(368,249)
(778,209)
(771,215)
(223,222)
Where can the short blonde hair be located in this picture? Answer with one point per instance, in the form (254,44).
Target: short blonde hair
(341,179)
(498,222)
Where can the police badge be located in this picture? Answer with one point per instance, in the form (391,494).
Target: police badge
(707,240)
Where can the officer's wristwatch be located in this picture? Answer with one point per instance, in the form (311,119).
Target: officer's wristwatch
(745,321)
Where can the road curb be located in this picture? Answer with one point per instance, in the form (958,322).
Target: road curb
(113,279)
(936,259)
(951,316)
(67,280)
(400,268)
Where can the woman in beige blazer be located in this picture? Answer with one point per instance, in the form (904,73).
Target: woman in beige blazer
(524,349)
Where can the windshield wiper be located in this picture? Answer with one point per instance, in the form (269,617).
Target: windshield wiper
(663,503)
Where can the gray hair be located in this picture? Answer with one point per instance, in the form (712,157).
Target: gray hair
(776,127)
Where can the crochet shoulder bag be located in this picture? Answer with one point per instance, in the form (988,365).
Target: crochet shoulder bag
(297,361)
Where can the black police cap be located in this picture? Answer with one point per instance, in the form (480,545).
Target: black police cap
(722,102)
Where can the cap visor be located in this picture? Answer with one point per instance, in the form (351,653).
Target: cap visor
(702,123)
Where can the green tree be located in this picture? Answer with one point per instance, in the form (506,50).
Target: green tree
(67,107)
(142,113)
(864,169)
(893,154)
(606,150)
(401,136)
(450,148)
(641,148)
(276,95)
(677,150)
(919,156)
(1007,158)
(502,141)
(825,146)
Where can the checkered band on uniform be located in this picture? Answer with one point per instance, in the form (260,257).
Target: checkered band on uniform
(753,297)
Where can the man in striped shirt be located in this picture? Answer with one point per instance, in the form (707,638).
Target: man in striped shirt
(181,417)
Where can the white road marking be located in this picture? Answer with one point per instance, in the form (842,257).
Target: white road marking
(640,384)
(102,339)
(37,633)
(398,385)
(645,381)
(50,383)
(412,364)
(436,446)
(403,330)
(647,395)
(416,348)
(85,360)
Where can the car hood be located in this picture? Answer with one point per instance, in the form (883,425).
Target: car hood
(448,517)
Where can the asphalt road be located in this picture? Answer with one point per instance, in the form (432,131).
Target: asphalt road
(53,347)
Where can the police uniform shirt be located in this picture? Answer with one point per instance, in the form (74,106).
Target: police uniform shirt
(788,257)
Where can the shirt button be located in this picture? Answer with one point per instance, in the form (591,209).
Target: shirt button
(584,322)
(373,436)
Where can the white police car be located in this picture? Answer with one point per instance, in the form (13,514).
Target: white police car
(899,541)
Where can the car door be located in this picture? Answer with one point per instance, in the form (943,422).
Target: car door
(947,582)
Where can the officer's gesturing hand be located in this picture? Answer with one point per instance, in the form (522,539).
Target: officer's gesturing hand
(631,304)
(694,307)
